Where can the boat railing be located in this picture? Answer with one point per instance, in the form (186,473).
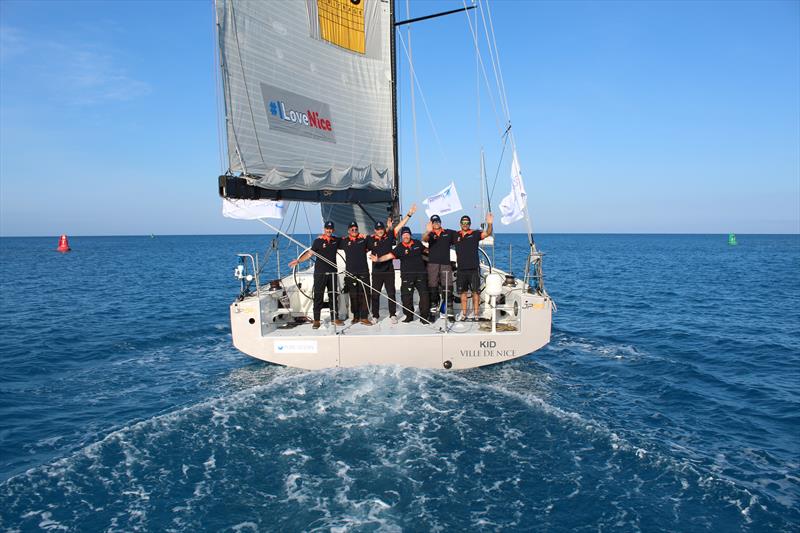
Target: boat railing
(247,274)
(534,275)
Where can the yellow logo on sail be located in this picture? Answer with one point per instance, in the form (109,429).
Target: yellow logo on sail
(341,22)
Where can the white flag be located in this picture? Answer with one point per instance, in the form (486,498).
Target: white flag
(512,207)
(252,209)
(443,202)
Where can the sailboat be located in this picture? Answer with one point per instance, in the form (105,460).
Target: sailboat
(309,97)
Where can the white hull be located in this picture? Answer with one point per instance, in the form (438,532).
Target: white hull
(266,330)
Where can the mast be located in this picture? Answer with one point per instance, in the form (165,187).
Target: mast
(393,47)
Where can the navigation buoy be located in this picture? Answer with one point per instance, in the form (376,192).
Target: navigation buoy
(63,244)
(732,239)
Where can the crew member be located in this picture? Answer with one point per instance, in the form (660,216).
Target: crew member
(381,243)
(412,274)
(324,247)
(440,272)
(356,281)
(466,243)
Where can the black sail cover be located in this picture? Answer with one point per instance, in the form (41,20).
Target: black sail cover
(308,99)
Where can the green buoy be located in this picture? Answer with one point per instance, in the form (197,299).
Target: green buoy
(732,239)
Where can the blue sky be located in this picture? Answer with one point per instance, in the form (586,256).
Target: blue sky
(665,117)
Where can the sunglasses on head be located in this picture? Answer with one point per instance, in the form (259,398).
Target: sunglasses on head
(465,222)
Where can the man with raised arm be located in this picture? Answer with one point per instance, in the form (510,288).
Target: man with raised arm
(412,274)
(381,243)
(466,242)
(440,272)
(324,247)
(405,219)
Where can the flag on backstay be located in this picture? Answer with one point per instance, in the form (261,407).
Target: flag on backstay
(252,209)
(512,207)
(443,202)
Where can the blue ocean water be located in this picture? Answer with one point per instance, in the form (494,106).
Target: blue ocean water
(668,400)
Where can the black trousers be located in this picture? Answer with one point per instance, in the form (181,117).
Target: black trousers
(358,288)
(380,280)
(409,282)
(322,281)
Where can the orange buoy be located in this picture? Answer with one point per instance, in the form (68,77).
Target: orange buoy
(63,244)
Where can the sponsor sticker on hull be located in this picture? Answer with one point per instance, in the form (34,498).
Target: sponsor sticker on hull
(294,346)
(290,112)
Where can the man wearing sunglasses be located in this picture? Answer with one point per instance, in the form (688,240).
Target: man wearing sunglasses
(466,243)
(325,278)
(440,273)
(356,281)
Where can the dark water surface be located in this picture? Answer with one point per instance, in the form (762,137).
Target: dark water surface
(668,400)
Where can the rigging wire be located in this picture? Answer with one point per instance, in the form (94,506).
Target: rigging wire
(484,184)
(483,68)
(308,223)
(494,55)
(499,165)
(413,106)
(425,103)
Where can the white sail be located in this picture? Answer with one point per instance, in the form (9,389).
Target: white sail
(308,95)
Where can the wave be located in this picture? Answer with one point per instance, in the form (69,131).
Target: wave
(375,448)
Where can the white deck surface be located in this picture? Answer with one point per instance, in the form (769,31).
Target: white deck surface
(384,327)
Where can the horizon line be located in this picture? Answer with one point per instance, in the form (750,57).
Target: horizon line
(79,235)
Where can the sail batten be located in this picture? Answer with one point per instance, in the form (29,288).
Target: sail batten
(308,96)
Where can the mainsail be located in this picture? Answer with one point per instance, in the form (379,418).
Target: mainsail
(308,94)
(365,215)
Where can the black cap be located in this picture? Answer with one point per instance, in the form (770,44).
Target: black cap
(329,225)
(405,229)
(380,225)
(435,218)
(353,224)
